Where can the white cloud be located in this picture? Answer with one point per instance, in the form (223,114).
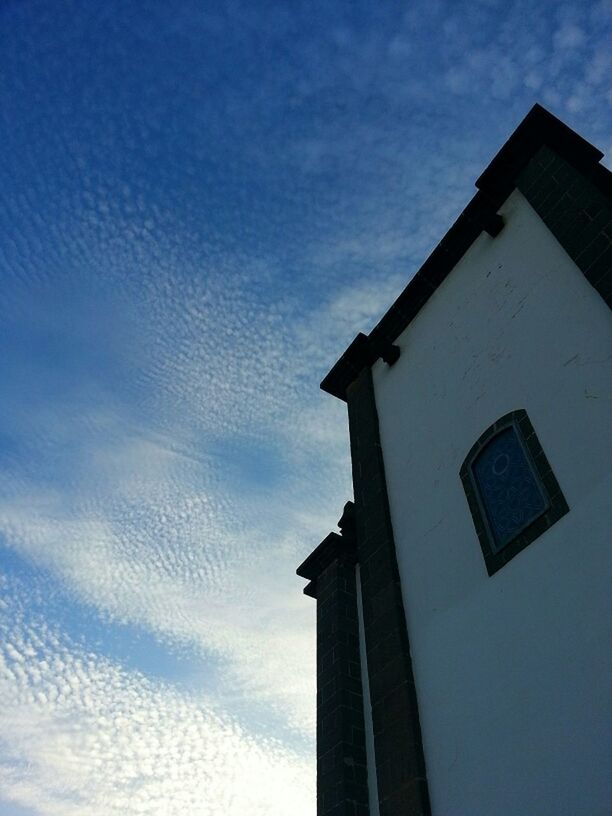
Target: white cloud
(81,736)
(155,537)
(569,35)
(219,290)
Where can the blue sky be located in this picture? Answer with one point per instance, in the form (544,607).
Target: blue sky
(200,206)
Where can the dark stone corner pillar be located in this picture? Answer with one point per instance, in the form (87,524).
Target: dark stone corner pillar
(342,788)
(400,763)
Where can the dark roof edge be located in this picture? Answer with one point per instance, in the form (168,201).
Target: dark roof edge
(320,557)
(494,185)
(334,546)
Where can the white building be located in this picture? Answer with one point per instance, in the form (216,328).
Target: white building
(463,652)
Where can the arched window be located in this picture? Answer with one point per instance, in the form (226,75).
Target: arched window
(511,490)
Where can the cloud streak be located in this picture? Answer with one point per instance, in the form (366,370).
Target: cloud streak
(82,736)
(201,210)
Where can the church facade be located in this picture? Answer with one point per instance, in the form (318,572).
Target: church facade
(463,610)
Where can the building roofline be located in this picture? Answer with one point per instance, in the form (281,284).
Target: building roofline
(494,185)
(321,557)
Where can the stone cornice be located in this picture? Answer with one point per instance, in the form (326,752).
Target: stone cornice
(494,185)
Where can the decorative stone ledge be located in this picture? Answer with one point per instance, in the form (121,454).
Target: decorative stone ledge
(517,164)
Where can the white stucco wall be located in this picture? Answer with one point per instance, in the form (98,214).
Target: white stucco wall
(367,704)
(512,671)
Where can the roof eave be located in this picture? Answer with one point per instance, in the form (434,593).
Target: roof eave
(494,185)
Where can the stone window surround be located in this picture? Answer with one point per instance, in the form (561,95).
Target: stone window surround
(557,505)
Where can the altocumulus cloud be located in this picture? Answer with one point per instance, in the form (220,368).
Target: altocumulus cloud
(82,736)
(154,529)
(200,210)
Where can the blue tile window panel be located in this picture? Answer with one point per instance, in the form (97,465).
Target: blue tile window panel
(508,488)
